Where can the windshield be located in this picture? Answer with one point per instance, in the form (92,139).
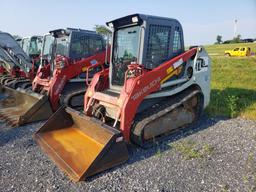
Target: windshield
(47,49)
(25,45)
(125,51)
(62,46)
(35,46)
(47,45)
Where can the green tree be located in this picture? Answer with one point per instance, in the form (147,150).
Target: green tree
(219,39)
(103,30)
(237,39)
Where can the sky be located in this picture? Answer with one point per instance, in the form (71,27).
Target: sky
(202,20)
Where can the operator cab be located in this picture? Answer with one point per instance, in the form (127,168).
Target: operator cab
(142,39)
(13,54)
(77,44)
(32,45)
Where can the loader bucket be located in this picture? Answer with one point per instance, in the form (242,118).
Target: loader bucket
(81,146)
(18,107)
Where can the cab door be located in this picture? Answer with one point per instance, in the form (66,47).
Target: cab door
(235,52)
(242,52)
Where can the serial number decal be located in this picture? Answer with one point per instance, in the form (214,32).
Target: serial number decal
(177,63)
(146,88)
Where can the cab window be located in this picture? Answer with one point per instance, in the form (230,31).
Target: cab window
(96,45)
(242,49)
(236,49)
(177,41)
(159,45)
(79,46)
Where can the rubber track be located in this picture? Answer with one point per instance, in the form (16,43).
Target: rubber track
(66,99)
(163,107)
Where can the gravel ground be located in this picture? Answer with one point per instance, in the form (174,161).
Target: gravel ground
(216,154)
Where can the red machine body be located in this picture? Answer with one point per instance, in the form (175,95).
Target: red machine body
(152,88)
(2,70)
(134,91)
(54,85)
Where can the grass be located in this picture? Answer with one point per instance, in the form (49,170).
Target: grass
(250,177)
(233,83)
(191,150)
(215,50)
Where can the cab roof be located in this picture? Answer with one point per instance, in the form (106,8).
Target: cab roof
(128,20)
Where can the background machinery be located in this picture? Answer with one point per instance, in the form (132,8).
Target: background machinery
(15,61)
(32,46)
(153,87)
(61,79)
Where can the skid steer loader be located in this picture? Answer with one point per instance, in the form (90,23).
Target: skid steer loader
(18,71)
(76,55)
(153,88)
(18,66)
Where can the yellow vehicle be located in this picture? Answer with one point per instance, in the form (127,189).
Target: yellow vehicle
(239,52)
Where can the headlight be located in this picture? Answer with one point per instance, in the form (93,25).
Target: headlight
(110,25)
(135,19)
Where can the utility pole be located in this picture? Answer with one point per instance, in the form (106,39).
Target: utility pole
(235,28)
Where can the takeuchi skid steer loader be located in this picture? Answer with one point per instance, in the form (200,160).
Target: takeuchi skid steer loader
(153,87)
(78,53)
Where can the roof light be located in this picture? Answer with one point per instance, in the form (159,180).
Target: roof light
(110,25)
(135,19)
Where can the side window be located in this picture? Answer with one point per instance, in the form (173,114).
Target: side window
(79,47)
(85,46)
(176,41)
(158,49)
(242,49)
(96,45)
(236,49)
(39,45)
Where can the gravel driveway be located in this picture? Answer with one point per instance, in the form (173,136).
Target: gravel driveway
(214,155)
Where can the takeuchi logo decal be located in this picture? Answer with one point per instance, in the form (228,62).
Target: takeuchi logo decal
(146,88)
